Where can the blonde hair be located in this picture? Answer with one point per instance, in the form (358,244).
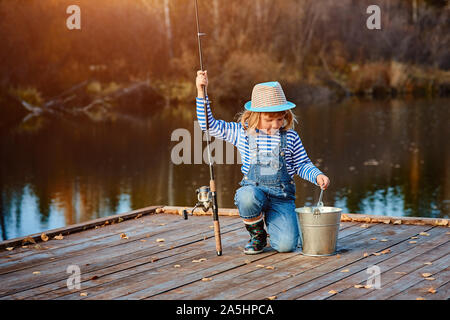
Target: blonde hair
(250,119)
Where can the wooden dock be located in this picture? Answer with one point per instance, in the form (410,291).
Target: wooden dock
(153,254)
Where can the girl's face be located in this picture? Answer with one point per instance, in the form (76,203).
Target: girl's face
(271,123)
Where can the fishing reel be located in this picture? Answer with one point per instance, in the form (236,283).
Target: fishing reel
(204,198)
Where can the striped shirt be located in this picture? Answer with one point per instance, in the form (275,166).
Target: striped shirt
(297,161)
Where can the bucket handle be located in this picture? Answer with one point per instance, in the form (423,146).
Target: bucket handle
(316,211)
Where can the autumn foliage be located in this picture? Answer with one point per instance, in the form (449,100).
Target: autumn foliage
(316,43)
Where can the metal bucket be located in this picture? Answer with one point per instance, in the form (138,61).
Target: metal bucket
(319,230)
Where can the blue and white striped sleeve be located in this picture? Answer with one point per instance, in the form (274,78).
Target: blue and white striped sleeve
(221,129)
(302,164)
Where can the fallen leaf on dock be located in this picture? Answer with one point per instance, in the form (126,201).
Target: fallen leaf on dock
(373,238)
(414,237)
(386,251)
(83,294)
(430,278)
(36,272)
(28,239)
(123,236)
(160,240)
(364,225)
(58,237)
(332,291)
(397,222)
(272,297)
(384,240)
(368,286)
(345,218)
(10,248)
(428,263)
(177,266)
(424,234)
(358,286)
(432,290)
(412,242)
(400,272)
(365,254)
(199,260)
(426,274)
(420,298)
(44,237)
(270,267)
(260,266)
(206,279)
(345,270)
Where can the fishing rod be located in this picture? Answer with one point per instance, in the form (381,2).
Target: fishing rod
(207,198)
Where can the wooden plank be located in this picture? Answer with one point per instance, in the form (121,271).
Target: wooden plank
(403,283)
(442,292)
(395,242)
(114,268)
(110,255)
(236,278)
(345,217)
(241,241)
(79,226)
(235,285)
(400,254)
(147,281)
(89,235)
(285,289)
(76,244)
(296,266)
(102,259)
(422,288)
(93,281)
(85,248)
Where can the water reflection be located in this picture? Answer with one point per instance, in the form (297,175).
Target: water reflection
(383,157)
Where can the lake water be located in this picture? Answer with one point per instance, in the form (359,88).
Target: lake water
(383,157)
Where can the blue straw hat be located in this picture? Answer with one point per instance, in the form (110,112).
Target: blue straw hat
(268,97)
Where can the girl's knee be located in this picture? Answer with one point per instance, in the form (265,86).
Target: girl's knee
(248,201)
(246,197)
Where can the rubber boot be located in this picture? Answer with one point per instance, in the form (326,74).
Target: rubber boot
(258,238)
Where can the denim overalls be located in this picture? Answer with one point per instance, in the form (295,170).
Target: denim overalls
(268,188)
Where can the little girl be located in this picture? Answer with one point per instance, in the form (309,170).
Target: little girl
(272,153)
